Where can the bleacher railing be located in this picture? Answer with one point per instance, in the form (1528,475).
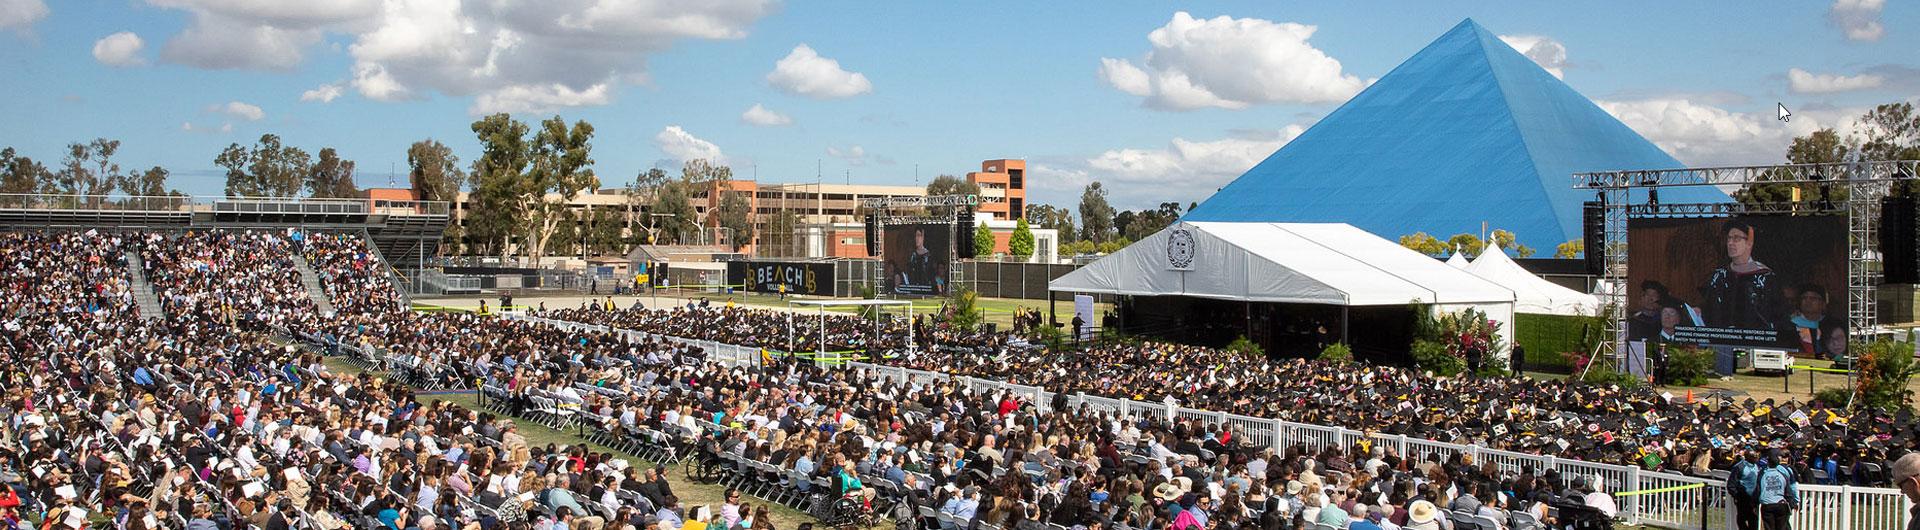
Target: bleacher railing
(217,204)
(105,203)
(393,207)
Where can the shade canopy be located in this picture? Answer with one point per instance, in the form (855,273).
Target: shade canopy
(1312,263)
(1532,294)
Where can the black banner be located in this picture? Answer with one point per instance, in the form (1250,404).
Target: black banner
(768,276)
(656,274)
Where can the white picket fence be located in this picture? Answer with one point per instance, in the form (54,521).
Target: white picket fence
(1672,503)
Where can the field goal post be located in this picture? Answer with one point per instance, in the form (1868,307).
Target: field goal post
(820,305)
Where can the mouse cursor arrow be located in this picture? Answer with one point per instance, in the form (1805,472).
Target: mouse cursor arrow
(1784,114)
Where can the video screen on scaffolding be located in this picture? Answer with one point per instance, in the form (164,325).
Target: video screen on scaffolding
(1763,281)
(917,256)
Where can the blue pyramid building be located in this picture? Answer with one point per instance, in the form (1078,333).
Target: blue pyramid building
(1466,131)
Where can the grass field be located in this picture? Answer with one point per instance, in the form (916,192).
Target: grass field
(998,310)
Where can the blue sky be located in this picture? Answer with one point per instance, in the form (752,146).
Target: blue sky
(1180,105)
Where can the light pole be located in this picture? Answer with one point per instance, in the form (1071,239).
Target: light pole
(653,228)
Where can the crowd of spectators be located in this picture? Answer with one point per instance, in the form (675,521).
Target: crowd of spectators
(798,332)
(235,277)
(212,418)
(1599,423)
(199,422)
(350,271)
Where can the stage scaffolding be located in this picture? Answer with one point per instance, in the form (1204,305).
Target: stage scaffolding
(1865,183)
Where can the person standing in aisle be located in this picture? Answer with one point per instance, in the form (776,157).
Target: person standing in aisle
(1742,482)
(1779,496)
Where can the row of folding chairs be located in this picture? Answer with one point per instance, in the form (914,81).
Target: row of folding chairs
(1470,521)
(547,411)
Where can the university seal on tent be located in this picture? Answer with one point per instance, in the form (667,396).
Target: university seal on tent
(1180,249)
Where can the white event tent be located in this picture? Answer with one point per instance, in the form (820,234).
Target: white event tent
(1296,263)
(1532,294)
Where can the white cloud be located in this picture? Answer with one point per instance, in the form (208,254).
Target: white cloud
(540,98)
(682,145)
(548,54)
(1804,82)
(1859,19)
(373,82)
(1699,134)
(1231,63)
(854,155)
(530,54)
(216,44)
(758,115)
(21,14)
(189,127)
(324,93)
(281,13)
(804,72)
(1548,53)
(239,109)
(1123,75)
(119,49)
(259,34)
(1183,171)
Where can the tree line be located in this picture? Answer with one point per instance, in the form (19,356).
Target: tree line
(1101,228)
(521,186)
(1887,132)
(88,175)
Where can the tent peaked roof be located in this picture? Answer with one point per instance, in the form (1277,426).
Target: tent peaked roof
(1532,294)
(1311,263)
(1457,261)
(1466,131)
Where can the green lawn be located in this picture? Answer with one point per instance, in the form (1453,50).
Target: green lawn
(998,310)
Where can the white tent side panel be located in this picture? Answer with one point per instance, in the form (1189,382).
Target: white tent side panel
(1131,271)
(1219,268)
(1448,285)
(1283,267)
(1283,263)
(1533,294)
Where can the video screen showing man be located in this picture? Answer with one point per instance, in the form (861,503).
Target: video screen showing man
(1742,293)
(920,262)
(916,258)
(1648,307)
(1748,281)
